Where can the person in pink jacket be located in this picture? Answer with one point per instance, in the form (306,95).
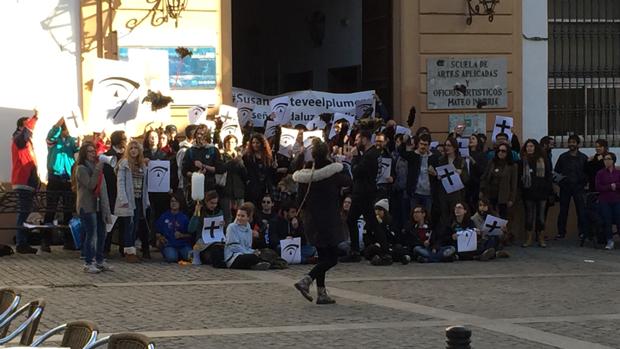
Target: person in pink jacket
(608,185)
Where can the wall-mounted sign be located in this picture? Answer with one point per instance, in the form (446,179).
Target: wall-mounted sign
(467,83)
(474,123)
(195,72)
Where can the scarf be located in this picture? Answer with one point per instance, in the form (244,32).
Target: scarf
(97,190)
(527,177)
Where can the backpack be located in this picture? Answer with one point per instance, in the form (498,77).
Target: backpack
(214,255)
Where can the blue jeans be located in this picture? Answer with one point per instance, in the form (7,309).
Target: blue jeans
(94,236)
(174,254)
(611,214)
(25,198)
(425,201)
(130,225)
(444,253)
(307,251)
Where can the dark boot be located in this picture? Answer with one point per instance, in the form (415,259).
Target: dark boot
(323,297)
(303,286)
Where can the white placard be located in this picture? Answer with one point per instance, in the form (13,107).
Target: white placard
(339,117)
(307,138)
(213,230)
(227,113)
(109,226)
(384,171)
(75,123)
(197,114)
(502,124)
(466,241)
(493,225)
(279,108)
(231,124)
(290,250)
(450,179)
(159,176)
(315,124)
(402,130)
(361,226)
(116,94)
(434,145)
(288,136)
(270,129)
(363,106)
(244,114)
(463,146)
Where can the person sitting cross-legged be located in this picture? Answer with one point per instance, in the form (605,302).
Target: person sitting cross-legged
(172,238)
(238,251)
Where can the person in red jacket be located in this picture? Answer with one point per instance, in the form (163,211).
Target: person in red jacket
(24,176)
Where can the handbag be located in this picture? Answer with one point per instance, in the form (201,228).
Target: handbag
(220,179)
(77,231)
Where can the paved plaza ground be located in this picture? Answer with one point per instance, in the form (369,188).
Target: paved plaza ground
(560,297)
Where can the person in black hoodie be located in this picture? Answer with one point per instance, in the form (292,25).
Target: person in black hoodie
(364,167)
(203,157)
(596,163)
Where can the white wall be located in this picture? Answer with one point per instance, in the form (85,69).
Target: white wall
(39,68)
(535,56)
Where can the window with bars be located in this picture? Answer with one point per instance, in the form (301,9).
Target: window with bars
(584,69)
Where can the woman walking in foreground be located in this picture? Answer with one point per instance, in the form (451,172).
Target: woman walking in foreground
(320,185)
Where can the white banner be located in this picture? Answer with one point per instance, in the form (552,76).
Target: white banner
(304,106)
(290,250)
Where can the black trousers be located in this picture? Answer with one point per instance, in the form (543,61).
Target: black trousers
(59,189)
(245,261)
(328,258)
(364,205)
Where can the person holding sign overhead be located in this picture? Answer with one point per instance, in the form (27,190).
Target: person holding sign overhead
(447,200)
(61,150)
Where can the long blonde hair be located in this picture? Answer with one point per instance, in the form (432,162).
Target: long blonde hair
(138,162)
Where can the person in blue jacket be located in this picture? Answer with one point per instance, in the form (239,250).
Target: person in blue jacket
(172,238)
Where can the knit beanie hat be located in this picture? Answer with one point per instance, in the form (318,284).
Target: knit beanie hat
(384,204)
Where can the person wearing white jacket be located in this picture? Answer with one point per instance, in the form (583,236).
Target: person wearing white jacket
(132,200)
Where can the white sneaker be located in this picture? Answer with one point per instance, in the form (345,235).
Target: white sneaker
(91,269)
(610,245)
(104,266)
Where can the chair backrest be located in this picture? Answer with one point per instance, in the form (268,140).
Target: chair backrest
(31,329)
(9,301)
(129,341)
(78,334)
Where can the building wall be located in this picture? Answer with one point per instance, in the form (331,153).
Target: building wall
(430,28)
(39,68)
(203,23)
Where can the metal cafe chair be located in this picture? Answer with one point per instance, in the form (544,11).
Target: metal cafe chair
(124,341)
(77,334)
(28,328)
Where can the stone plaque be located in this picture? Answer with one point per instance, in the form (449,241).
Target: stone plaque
(467,83)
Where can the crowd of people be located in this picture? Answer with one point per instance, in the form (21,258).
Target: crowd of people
(325,193)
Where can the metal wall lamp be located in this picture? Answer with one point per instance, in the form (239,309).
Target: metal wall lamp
(481,8)
(160,13)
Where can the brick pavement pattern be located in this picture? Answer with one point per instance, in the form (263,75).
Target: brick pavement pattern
(561,297)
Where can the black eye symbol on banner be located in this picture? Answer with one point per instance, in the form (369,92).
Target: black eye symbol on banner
(118,89)
(291,249)
(159,172)
(287,139)
(280,108)
(245,111)
(197,111)
(229,130)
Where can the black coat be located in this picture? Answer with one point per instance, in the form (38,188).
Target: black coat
(321,209)
(364,168)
